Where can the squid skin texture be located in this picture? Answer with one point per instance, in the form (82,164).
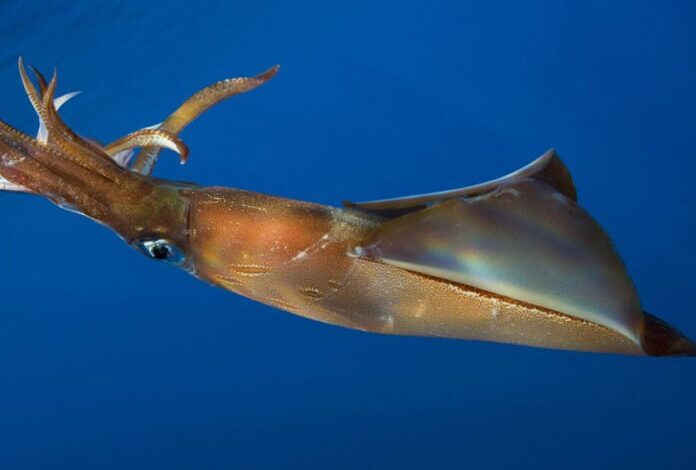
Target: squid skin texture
(368,266)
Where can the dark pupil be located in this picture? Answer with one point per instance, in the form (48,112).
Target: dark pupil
(160,252)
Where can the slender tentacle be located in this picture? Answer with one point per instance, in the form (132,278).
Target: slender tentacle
(42,134)
(59,135)
(208,97)
(196,105)
(43,84)
(151,141)
(40,78)
(145,138)
(73,173)
(35,97)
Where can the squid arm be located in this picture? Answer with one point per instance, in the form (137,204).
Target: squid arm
(189,111)
(53,131)
(148,138)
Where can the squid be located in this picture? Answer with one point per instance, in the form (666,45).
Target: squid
(512,260)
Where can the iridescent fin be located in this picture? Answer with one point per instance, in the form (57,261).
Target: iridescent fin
(524,240)
(548,168)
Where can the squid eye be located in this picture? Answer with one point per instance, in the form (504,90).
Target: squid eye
(162,250)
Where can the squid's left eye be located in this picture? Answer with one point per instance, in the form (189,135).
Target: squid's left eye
(162,250)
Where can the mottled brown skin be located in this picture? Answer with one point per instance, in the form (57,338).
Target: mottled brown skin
(296,256)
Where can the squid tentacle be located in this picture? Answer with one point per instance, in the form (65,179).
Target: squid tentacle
(149,138)
(42,169)
(40,78)
(42,133)
(211,95)
(37,97)
(193,107)
(43,84)
(58,134)
(106,161)
(85,152)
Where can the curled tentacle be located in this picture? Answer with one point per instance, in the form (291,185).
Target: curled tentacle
(149,138)
(196,105)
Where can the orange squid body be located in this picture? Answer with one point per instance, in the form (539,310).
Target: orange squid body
(299,257)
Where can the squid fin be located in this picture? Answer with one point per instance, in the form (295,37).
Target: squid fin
(524,240)
(547,168)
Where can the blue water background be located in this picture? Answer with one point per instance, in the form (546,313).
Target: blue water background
(108,360)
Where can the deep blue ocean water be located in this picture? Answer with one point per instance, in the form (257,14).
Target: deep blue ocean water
(108,360)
